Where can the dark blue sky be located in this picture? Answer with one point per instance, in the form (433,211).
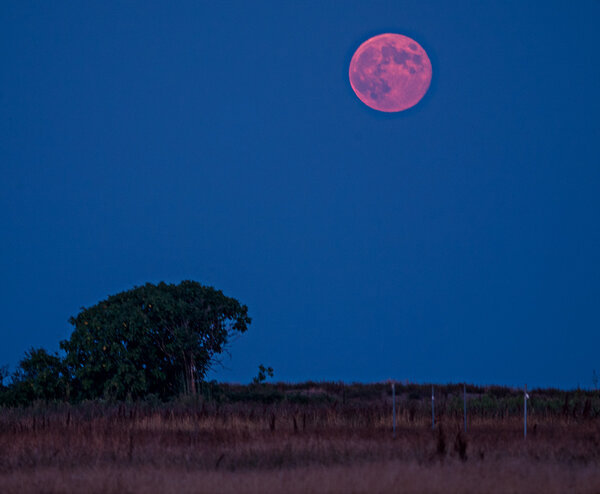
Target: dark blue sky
(222,142)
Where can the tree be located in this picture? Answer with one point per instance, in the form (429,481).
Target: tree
(39,376)
(263,373)
(159,339)
(3,375)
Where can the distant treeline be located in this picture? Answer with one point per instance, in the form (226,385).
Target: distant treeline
(413,401)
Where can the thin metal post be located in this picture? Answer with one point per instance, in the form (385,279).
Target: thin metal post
(465,404)
(525,398)
(432,409)
(394,408)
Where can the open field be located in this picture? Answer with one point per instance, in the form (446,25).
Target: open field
(307,438)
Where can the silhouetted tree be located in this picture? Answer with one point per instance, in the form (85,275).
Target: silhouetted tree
(39,376)
(3,375)
(158,339)
(263,373)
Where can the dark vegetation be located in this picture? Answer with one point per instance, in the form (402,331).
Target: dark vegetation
(125,408)
(327,432)
(153,340)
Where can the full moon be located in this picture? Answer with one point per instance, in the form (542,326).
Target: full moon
(390,72)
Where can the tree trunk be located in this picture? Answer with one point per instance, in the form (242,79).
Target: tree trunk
(192,386)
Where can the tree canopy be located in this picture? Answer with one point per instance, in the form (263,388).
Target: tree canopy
(39,376)
(153,339)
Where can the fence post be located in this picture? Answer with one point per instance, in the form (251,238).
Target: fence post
(432,409)
(465,404)
(394,408)
(525,398)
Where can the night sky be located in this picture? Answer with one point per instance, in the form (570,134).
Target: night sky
(222,142)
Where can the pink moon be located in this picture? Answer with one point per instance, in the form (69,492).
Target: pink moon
(390,72)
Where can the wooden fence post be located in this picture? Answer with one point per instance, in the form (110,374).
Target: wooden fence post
(465,404)
(394,409)
(432,409)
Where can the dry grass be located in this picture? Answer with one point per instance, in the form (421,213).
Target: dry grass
(501,477)
(285,447)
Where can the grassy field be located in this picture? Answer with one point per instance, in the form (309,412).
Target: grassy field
(311,437)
